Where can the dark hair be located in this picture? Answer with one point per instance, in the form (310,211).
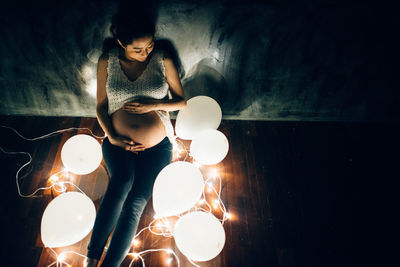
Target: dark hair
(126,27)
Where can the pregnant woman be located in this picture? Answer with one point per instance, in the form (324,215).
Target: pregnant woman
(137,85)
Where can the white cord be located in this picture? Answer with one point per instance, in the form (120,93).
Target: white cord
(52,133)
(17,178)
(63,188)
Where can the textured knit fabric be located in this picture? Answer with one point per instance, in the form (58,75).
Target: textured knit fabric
(150,84)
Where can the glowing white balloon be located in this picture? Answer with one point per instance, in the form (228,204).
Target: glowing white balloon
(209,147)
(67,219)
(199,236)
(177,188)
(201,113)
(81,154)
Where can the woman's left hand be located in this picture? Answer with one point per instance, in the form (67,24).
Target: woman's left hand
(138,107)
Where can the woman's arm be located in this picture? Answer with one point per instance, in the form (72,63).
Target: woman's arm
(176,103)
(178,98)
(102,100)
(102,110)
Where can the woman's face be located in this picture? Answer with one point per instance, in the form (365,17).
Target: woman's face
(139,49)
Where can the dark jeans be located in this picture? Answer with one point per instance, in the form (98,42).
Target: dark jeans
(131,185)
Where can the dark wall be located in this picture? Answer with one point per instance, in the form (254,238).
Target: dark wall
(274,60)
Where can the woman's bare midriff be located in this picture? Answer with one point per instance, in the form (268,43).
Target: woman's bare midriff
(146,129)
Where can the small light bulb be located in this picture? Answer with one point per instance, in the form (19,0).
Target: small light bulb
(228,216)
(53,178)
(168,261)
(177,151)
(214,173)
(135,242)
(159,224)
(215,204)
(134,255)
(166,224)
(209,187)
(61,257)
(201,201)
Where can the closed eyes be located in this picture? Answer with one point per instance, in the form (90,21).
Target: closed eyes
(140,50)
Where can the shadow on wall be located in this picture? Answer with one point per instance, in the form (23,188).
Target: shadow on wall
(170,50)
(204,80)
(259,61)
(308,62)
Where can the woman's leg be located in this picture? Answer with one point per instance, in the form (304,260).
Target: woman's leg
(149,164)
(121,167)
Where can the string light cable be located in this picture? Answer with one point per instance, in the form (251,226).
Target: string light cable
(54,184)
(158,226)
(139,255)
(17,178)
(219,201)
(61,257)
(52,133)
(179,147)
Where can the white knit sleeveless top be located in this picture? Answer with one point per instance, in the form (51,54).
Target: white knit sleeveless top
(150,84)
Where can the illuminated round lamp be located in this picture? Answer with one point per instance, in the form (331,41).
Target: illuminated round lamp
(81,154)
(177,188)
(209,147)
(200,113)
(67,219)
(199,236)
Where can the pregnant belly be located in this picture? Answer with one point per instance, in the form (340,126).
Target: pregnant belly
(146,129)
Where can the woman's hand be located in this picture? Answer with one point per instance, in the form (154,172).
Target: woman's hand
(127,144)
(138,107)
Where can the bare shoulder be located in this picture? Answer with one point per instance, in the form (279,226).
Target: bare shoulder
(168,62)
(103,58)
(102,64)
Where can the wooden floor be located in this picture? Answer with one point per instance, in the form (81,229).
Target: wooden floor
(289,186)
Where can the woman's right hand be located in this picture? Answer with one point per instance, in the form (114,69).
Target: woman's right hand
(127,144)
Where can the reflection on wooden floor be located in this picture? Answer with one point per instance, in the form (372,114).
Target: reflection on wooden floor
(285,184)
